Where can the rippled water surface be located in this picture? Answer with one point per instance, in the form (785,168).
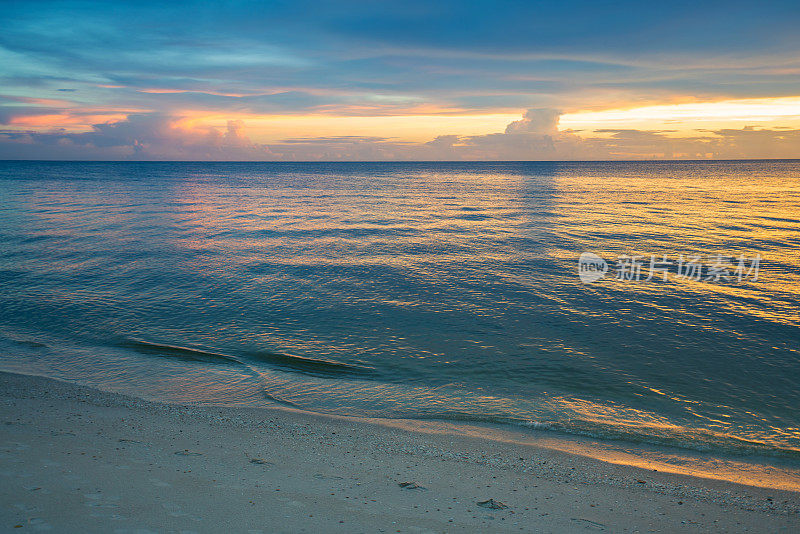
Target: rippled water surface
(416,290)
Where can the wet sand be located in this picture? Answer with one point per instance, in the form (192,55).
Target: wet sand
(74,459)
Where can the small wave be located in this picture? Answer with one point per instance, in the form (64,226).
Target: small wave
(184,353)
(780,219)
(301,364)
(313,366)
(28,343)
(536,425)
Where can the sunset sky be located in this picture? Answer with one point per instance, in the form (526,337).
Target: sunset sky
(352,80)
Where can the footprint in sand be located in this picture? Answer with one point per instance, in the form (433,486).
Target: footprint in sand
(591,525)
(492,504)
(187,452)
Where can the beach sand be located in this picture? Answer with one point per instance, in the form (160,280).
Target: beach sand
(74,459)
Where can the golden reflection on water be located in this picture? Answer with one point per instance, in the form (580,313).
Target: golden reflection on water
(419,224)
(665,215)
(495,254)
(424,223)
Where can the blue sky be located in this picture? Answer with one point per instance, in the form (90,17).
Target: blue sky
(230,80)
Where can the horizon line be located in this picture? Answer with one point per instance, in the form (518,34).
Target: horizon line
(397,161)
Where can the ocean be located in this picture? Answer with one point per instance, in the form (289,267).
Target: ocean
(421,291)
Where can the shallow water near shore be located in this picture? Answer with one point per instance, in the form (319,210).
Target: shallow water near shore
(418,291)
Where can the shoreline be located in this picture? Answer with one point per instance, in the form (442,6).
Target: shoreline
(80,459)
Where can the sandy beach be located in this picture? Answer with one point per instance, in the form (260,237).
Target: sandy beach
(76,459)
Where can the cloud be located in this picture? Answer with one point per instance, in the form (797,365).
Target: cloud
(757,143)
(156,136)
(537,137)
(543,121)
(475,56)
(140,136)
(126,73)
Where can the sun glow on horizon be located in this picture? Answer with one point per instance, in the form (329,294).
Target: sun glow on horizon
(408,128)
(424,124)
(685,117)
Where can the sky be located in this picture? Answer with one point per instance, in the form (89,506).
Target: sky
(353,80)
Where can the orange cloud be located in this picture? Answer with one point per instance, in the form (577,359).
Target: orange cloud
(66,120)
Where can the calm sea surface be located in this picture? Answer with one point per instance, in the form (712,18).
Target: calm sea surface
(417,290)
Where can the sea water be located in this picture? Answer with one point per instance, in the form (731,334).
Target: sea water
(424,291)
